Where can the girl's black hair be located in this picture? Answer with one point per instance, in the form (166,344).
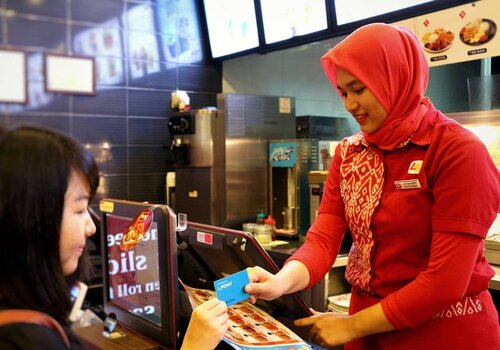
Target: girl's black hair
(35,165)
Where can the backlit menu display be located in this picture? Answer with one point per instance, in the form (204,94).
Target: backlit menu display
(348,11)
(232,26)
(284,19)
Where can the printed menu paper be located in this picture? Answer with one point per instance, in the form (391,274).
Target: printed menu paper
(250,328)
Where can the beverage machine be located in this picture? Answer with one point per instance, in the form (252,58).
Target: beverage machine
(221,171)
(290,162)
(328,130)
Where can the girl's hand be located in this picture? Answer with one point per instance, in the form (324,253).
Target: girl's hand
(208,324)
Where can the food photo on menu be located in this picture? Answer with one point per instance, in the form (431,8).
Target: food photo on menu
(478,32)
(438,40)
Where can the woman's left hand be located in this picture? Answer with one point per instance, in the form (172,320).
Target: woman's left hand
(328,329)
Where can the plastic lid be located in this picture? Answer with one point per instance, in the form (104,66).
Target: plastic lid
(270,220)
(261,215)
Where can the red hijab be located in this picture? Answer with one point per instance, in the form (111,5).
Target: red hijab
(391,63)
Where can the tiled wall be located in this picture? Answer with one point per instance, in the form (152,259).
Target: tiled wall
(139,63)
(297,72)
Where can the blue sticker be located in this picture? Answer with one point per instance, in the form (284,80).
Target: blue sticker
(283,154)
(230,289)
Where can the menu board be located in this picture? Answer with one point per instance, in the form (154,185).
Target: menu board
(142,42)
(232,26)
(181,37)
(347,11)
(103,42)
(284,19)
(462,33)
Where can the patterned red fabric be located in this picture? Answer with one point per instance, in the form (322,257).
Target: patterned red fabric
(362,178)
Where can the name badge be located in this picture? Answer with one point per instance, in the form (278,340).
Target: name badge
(407,184)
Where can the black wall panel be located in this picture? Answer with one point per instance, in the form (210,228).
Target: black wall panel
(139,63)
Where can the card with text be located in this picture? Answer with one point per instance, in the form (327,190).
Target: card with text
(230,289)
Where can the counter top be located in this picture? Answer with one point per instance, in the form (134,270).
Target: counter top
(93,339)
(317,177)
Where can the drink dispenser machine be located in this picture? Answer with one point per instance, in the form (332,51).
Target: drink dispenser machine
(197,149)
(221,171)
(179,127)
(290,163)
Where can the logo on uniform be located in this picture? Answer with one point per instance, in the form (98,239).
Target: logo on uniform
(415,167)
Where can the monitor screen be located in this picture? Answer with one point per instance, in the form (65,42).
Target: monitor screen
(284,19)
(141,41)
(104,43)
(181,36)
(348,15)
(139,267)
(356,10)
(231,26)
(208,253)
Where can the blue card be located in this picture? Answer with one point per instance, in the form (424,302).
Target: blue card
(230,288)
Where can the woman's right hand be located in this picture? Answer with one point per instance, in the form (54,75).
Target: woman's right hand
(263,285)
(208,324)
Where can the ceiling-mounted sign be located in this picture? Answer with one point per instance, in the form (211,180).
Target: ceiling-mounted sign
(462,33)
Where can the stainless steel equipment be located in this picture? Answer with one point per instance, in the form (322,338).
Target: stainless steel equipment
(322,128)
(316,181)
(224,178)
(328,130)
(290,162)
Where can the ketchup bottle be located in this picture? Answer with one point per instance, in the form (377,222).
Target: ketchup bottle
(270,221)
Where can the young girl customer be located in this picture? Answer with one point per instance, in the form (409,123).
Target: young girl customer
(47,181)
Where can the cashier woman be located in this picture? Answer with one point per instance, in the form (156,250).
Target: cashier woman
(418,193)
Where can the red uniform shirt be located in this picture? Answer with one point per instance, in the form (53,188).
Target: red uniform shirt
(419,250)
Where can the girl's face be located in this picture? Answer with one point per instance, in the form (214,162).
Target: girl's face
(360,102)
(76,223)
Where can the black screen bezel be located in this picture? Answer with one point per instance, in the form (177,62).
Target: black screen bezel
(333,30)
(204,21)
(166,333)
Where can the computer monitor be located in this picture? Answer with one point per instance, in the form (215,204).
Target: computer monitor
(208,253)
(140,275)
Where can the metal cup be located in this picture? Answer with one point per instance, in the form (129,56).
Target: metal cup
(288,218)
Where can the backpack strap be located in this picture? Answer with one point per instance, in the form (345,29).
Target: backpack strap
(32,316)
